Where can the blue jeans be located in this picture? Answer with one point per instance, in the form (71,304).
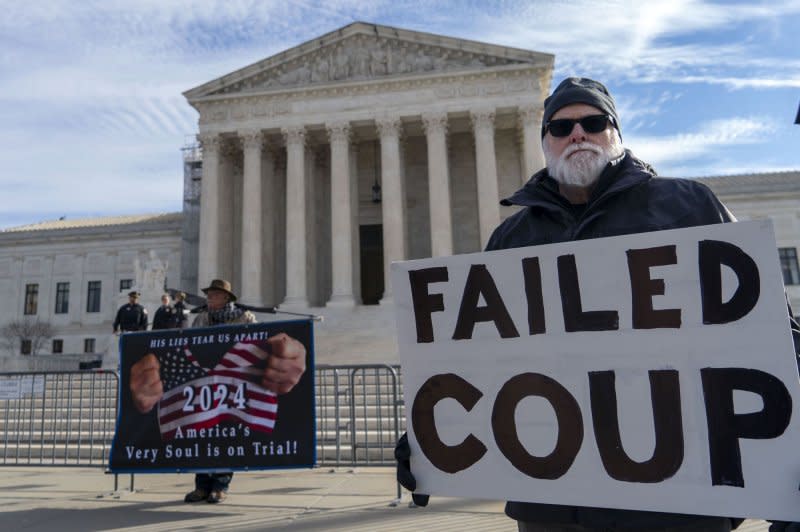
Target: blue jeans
(213,481)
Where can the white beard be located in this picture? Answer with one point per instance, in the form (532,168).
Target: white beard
(584,168)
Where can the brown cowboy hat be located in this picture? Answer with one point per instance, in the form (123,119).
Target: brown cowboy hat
(221,285)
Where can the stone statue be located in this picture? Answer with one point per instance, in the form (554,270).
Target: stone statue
(408,61)
(341,65)
(138,274)
(303,73)
(288,78)
(361,62)
(422,63)
(321,70)
(377,62)
(152,278)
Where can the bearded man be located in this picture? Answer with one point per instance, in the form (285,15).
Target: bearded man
(593,187)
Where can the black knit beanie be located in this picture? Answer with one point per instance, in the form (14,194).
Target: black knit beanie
(580,90)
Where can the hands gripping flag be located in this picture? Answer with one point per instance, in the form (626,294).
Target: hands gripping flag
(196,397)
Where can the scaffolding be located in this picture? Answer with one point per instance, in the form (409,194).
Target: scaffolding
(190,234)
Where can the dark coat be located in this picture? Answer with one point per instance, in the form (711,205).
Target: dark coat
(165,318)
(131,318)
(628,199)
(180,314)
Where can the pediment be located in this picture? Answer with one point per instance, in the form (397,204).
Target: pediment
(362,52)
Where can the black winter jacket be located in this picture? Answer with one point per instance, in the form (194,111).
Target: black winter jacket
(628,199)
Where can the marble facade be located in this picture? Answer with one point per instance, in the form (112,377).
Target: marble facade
(116,253)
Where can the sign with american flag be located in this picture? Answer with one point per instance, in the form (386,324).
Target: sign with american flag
(208,409)
(196,397)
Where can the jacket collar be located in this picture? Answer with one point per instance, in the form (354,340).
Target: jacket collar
(621,173)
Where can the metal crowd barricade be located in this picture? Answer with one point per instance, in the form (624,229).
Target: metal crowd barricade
(63,418)
(374,414)
(68,418)
(360,409)
(359,414)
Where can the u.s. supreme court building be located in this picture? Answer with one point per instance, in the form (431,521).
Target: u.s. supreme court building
(370,144)
(318,167)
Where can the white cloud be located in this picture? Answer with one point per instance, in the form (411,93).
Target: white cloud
(742,82)
(671,151)
(650,41)
(91,90)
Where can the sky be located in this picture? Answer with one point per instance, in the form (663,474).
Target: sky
(92,117)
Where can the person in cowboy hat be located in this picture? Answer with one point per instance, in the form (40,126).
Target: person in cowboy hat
(285,366)
(220,309)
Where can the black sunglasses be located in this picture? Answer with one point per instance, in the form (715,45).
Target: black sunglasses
(561,127)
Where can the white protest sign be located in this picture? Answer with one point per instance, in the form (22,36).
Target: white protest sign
(653,371)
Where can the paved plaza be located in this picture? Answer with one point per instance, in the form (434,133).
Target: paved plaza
(363,499)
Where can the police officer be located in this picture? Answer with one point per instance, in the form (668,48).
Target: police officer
(131,316)
(180,310)
(166,316)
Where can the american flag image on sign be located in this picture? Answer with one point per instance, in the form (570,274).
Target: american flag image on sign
(197,398)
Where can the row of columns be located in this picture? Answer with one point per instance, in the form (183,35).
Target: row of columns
(344,200)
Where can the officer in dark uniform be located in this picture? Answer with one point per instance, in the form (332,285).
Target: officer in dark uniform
(131,316)
(166,316)
(180,310)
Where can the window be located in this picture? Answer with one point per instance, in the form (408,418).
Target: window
(62,298)
(791,272)
(88,345)
(125,284)
(93,297)
(58,346)
(25,348)
(31,298)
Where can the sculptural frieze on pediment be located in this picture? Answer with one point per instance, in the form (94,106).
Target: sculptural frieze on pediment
(364,58)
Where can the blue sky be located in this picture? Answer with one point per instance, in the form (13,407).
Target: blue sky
(92,118)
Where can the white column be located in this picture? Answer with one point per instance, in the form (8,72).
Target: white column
(342,210)
(486,168)
(393,199)
(228,190)
(251,287)
(269,221)
(529,121)
(355,256)
(435,125)
(296,288)
(208,252)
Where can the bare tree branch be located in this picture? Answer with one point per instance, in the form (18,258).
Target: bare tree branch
(14,333)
